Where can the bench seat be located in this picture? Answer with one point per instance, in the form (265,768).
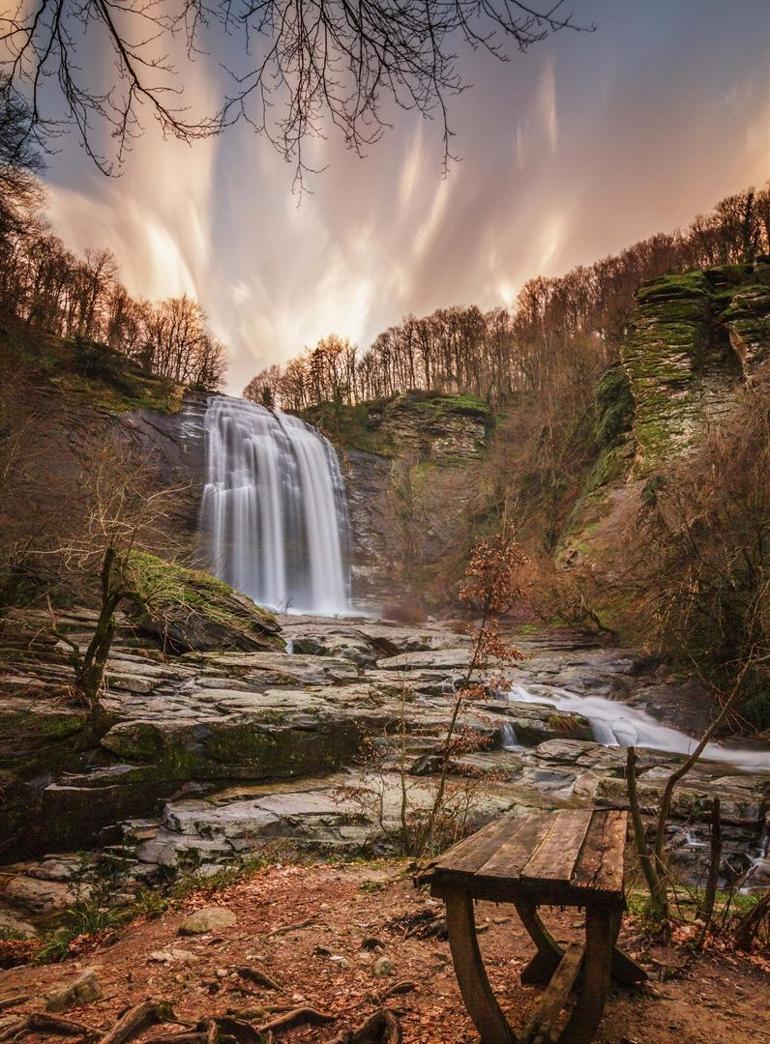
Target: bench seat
(572,857)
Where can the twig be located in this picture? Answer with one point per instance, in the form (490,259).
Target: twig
(706,911)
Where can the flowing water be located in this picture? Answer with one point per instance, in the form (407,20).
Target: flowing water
(273,517)
(617,724)
(508,738)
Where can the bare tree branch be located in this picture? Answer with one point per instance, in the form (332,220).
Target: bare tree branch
(292,68)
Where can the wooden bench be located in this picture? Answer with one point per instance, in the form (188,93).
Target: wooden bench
(565,858)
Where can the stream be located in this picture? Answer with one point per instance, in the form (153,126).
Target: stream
(616,724)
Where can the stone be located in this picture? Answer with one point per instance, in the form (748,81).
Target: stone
(186,609)
(38,896)
(208,919)
(172,956)
(16,927)
(383,967)
(83,990)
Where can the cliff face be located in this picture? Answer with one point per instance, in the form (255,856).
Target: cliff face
(694,337)
(408,463)
(61,404)
(695,340)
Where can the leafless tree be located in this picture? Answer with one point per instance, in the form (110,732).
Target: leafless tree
(126,513)
(291,68)
(561,334)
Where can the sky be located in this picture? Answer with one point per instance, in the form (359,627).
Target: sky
(581,146)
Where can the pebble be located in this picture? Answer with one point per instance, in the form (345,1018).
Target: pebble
(383,967)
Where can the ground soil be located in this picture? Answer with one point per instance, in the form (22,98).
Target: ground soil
(318,931)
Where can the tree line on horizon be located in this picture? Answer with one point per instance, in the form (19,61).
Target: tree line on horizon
(560,328)
(49,288)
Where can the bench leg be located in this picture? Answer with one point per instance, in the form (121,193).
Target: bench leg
(625,970)
(469,969)
(549,954)
(602,930)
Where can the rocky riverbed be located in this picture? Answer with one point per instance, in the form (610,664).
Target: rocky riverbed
(200,759)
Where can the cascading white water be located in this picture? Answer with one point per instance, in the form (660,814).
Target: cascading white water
(617,724)
(508,737)
(273,516)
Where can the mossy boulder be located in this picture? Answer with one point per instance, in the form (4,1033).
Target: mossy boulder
(187,610)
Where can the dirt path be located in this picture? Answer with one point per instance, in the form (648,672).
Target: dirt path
(320,930)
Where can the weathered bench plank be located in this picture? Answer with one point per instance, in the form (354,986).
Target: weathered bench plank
(516,849)
(467,856)
(600,865)
(542,1026)
(555,857)
(570,857)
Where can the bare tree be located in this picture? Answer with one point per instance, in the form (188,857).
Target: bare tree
(126,512)
(292,67)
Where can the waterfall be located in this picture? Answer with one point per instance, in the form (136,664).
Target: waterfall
(273,516)
(508,737)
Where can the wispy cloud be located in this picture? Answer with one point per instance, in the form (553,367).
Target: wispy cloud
(546,105)
(569,152)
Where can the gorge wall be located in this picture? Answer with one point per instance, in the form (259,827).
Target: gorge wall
(415,465)
(696,341)
(410,465)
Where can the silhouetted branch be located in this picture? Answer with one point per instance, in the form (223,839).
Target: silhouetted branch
(295,67)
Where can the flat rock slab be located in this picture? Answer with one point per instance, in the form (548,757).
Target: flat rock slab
(208,919)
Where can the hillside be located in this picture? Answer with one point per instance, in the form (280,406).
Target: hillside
(64,405)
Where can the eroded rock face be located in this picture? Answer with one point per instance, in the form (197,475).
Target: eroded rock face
(694,336)
(206,758)
(433,437)
(695,339)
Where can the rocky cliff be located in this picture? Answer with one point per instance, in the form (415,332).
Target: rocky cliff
(63,405)
(694,337)
(408,462)
(695,340)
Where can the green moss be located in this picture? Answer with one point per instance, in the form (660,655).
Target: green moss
(442,405)
(679,284)
(372,427)
(356,427)
(89,372)
(171,596)
(614,406)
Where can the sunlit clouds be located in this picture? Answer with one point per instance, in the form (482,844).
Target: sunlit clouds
(571,151)
(546,104)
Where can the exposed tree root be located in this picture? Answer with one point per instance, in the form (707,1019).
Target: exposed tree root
(297,1017)
(258,976)
(138,1019)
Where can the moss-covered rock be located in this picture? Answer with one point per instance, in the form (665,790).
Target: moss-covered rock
(188,610)
(447,429)
(679,363)
(614,407)
(748,321)
(692,337)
